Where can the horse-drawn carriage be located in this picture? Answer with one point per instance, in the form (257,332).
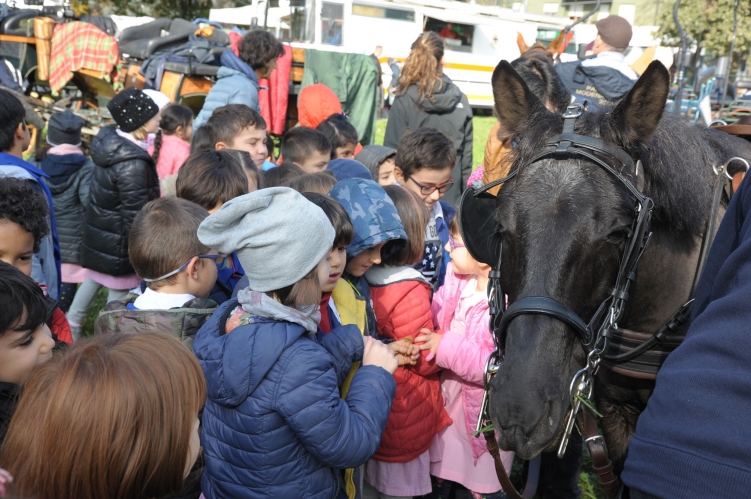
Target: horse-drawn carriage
(178,57)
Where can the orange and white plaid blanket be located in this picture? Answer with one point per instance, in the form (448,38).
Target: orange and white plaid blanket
(79,45)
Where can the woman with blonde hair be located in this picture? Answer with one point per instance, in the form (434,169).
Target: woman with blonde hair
(428,98)
(115,417)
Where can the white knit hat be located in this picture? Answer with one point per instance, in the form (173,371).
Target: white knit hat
(279,236)
(159,98)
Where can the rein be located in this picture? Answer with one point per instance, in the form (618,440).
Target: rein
(602,339)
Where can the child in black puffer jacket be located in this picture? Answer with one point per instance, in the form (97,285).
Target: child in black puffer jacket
(69,171)
(124,180)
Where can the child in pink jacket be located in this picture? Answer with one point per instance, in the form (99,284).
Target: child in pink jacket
(172,144)
(461,346)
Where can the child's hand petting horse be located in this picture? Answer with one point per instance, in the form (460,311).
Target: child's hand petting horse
(406,352)
(377,354)
(430,341)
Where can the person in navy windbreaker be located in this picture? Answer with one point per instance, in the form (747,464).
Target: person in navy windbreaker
(274,425)
(693,440)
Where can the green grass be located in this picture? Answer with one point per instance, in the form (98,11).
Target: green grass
(97,304)
(481,129)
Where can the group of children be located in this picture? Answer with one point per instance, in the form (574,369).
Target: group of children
(321,318)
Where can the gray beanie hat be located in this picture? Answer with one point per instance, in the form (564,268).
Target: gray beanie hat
(279,236)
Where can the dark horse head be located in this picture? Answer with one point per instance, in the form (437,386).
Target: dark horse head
(564,222)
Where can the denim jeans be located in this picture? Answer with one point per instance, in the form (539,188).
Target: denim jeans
(84,296)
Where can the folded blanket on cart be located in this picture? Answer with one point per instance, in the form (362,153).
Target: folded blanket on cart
(79,45)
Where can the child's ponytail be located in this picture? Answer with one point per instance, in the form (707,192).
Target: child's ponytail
(157,146)
(423,66)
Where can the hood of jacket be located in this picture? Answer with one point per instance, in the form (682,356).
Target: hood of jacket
(446,96)
(108,149)
(235,363)
(373,214)
(383,275)
(230,61)
(610,83)
(61,167)
(316,103)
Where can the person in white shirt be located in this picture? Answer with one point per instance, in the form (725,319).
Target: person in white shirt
(178,269)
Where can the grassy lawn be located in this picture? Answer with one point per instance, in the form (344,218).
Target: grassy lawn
(481,129)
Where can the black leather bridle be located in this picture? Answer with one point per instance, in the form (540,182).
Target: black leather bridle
(592,334)
(595,335)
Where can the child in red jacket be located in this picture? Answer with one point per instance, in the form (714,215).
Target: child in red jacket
(401,299)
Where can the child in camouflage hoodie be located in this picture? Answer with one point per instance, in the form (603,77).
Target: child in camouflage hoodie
(178,269)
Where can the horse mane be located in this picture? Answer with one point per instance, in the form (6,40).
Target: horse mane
(677,163)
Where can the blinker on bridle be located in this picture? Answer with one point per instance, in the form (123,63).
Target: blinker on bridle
(594,335)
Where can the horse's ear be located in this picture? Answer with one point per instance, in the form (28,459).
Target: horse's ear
(514,101)
(554,47)
(523,47)
(637,115)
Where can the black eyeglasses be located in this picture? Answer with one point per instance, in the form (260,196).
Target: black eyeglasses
(427,190)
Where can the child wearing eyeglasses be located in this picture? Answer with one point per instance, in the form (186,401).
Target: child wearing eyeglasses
(424,160)
(460,313)
(178,269)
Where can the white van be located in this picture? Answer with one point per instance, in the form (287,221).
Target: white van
(477,37)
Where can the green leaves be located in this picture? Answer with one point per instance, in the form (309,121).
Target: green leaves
(709,23)
(488,428)
(588,403)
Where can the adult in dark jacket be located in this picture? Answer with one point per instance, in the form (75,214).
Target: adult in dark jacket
(692,441)
(237,80)
(428,98)
(606,77)
(69,174)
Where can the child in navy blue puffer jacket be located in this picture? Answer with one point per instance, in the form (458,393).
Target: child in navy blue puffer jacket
(274,424)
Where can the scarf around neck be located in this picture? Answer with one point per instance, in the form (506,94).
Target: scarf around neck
(263,305)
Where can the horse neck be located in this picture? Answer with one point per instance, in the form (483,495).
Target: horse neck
(663,281)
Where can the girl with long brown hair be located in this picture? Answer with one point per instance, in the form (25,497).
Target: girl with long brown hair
(428,98)
(115,417)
